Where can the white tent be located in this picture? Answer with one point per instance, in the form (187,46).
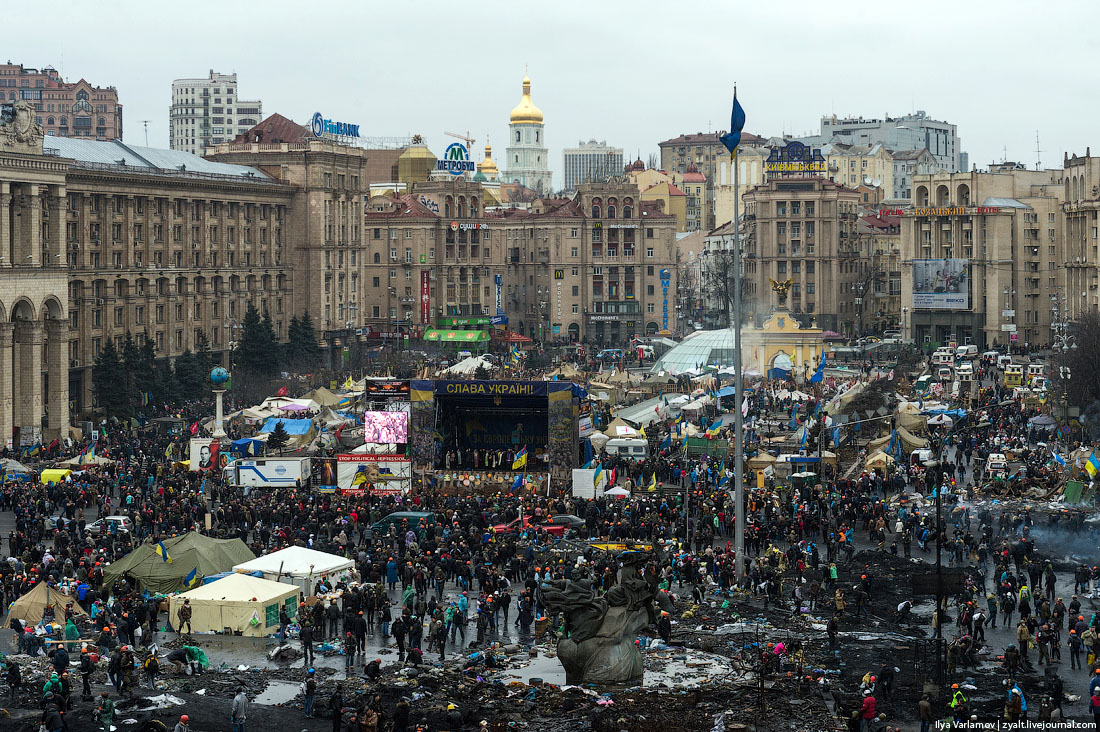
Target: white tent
(238,601)
(617,492)
(298,565)
(468,366)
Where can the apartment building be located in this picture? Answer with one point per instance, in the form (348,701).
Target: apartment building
(208,111)
(803,228)
(982,256)
(597,267)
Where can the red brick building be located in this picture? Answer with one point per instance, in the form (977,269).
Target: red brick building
(65,109)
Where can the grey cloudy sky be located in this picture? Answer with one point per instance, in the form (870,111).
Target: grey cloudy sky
(633,73)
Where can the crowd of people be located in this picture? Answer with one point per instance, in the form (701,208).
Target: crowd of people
(423,586)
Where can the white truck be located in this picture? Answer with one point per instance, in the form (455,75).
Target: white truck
(271,472)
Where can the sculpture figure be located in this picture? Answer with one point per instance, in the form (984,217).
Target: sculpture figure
(781,289)
(598,645)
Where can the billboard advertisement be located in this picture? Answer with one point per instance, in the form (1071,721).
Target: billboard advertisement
(941,284)
(387,427)
(205,454)
(380,474)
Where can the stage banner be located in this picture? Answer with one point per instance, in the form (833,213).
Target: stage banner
(381,474)
(490,388)
(425,441)
(562,426)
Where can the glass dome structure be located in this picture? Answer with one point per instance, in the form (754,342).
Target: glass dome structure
(699,349)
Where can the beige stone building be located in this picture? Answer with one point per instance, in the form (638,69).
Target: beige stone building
(329,183)
(1080,212)
(581,268)
(34,395)
(98,239)
(750,171)
(1007,226)
(803,228)
(856,165)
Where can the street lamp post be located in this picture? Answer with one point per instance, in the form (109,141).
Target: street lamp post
(859,310)
(1062,343)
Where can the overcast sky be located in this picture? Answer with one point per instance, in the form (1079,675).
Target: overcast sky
(632,73)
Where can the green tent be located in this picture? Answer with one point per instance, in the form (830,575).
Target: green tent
(191,552)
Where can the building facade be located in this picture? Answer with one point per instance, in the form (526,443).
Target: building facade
(750,173)
(804,229)
(208,112)
(1005,229)
(1080,212)
(908,163)
(591,267)
(880,306)
(34,397)
(907,132)
(329,183)
(857,165)
(589,162)
(527,161)
(65,109)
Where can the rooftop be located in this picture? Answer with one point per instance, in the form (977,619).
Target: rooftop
(116,155)
(706,138)
(276,128)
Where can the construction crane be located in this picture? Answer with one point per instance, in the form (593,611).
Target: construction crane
(468,140)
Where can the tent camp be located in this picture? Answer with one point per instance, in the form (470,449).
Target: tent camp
(297,565)
(240,602)
(189,552)
(323,397)
(14,471)
(29,607)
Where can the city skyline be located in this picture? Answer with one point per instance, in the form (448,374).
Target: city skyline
(997,113)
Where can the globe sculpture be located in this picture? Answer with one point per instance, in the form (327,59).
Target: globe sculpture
(218,376)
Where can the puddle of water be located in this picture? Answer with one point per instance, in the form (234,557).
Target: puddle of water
(660,669)
(278,692)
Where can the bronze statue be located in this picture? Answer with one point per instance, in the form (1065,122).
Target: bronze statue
(781,289)
(598,645)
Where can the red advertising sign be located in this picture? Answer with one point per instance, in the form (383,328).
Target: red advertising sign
(425,297)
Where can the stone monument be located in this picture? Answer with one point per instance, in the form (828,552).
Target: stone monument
(218,377)
(598,646)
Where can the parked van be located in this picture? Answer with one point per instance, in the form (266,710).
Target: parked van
(628,447)
(967,351)
(1014,375)
(943,373)
(1003,361)
(1036,371)
(964,372)
(943,357)
(990,357)
(399,518)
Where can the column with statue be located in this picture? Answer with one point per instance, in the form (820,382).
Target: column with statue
(219,377)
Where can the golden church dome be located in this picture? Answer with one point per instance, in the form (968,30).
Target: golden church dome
(487,166)
(526,111)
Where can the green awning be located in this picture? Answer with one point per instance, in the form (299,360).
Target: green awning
(457,336)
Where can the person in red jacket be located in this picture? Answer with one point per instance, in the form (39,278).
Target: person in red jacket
(867,712)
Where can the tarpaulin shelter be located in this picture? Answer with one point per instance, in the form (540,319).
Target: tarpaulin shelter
(246,604)
(297,565)
(14,471)
(323,397)
(29,607)
(293,427)
(54,475)
(190,552)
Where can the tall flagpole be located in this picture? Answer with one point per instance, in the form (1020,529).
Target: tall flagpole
(739,390)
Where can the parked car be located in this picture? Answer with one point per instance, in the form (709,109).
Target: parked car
(516,526)
(120,524)
(567,520)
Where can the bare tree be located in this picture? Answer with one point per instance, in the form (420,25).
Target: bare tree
(863,287)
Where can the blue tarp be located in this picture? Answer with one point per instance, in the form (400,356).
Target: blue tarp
(249,446)
(293,427)
(727,391)
(953,413)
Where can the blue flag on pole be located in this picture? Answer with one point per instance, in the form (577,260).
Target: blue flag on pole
(517,483)
(819,374)
(737,123)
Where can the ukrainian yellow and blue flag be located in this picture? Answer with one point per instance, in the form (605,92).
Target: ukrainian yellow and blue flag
(520,460)
(162,552)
